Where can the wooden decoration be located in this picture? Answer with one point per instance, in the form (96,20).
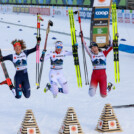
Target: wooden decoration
(108,121)
(71,124)
(29,125)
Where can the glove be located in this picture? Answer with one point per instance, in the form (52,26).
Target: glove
(38,39)
(80,34)
(1,59)
(76,44)
(42,56)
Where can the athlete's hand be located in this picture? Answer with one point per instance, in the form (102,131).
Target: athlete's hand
(38,39)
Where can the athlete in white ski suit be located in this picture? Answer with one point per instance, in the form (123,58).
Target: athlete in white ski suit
(56,70)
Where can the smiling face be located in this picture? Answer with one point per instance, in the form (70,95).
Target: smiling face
(95,49)
(58,46)
(58,49)
(17,49)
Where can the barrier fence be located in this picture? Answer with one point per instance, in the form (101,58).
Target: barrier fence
(124,16)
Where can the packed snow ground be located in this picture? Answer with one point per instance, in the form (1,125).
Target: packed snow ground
(50,112)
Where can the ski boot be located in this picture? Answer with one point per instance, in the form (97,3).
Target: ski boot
(110,86)
(13,91)
(55,95)
(48,86)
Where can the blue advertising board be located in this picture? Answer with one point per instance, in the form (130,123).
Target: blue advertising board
(101,13)
(85,14)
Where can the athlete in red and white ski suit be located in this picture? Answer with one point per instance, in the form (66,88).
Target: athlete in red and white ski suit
(98,59)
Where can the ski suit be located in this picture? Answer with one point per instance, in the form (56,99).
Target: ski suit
(21,80)
(99,71)
(56,74)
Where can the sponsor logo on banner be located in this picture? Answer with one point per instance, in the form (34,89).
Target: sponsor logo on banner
(101,39)
(127,16)
(100,23)
(26,10)
(100,3)
(31,130)
(66,12)
(85,14)
(103,30)
(73,129)
(101,13)
(112,124)
(120,17)
(133,18)
(100,124)
(57,12)
(42,11)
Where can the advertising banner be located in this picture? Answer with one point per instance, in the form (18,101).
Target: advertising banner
(133,17)
(101,13)
(85,14)
(120,16)
(100,23)
(42,11)
(100,30)
(101,3)
(127,16)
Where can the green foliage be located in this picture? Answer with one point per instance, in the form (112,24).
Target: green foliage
(74,2)
(44,1)
(122,3)
(53,2)
(86,2)
(59,2)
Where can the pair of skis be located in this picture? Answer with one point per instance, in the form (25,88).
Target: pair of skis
(115,43)
(75,49)
(39,71)
(8,80)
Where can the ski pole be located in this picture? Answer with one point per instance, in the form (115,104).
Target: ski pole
(50,23)
(38,47)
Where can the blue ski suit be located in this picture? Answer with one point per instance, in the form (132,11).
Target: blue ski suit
(21,79)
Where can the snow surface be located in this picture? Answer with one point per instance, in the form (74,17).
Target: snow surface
(50,112)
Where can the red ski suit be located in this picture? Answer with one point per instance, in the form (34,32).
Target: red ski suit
(99,71)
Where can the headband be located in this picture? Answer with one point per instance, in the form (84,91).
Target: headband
(17,43)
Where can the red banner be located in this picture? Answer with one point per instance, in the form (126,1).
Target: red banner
(42,11)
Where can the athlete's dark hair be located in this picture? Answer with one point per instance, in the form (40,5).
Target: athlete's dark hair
(22,43)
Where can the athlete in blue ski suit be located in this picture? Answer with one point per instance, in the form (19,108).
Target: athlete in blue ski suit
(19,60)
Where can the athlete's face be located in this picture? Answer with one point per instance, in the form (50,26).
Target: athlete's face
(95,49)
(58,49)
(17,49)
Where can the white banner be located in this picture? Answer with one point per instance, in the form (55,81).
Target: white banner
(101,39)
(101,3)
